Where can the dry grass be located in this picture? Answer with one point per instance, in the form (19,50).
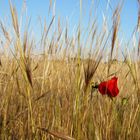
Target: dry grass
(50,96)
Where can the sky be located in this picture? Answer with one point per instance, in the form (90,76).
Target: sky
(70,10)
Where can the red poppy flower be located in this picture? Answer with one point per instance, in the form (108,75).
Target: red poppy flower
(109,87)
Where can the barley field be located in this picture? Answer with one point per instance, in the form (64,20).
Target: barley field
(49,94)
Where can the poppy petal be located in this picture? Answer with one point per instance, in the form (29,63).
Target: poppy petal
(109,87)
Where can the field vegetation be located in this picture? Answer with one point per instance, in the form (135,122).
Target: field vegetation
(48,94)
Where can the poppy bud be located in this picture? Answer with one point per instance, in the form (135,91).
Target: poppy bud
(95,86)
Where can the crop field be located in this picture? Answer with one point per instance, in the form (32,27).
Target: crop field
(51,89)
